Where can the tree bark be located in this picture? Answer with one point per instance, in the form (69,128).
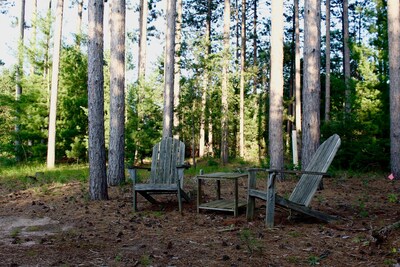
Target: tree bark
(46,71)
(177,78)
(383,233)
(394,72)
(79,23)
(169,63)
(210,121)
(346,56)
(311,80)
(242,79)
(328,62)
(258,99)
(116,155)
(51,147)
(19,72)
(144,10)
(34,36)
(97,151)
(224,96)
(20,63)
(207,52)
(255,37)
(276,89)
(297,68)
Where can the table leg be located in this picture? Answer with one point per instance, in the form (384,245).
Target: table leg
(198,194)
(236,200)
(218,189)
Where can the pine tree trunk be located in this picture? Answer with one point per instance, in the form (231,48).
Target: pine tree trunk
(169,64)
(177,78)
(346,56)
(258,101)
(297,68)
(51,147)
(34,36)
(311,80)
(204,95)
(242,79)
(255,36)
(116,155)
(328,62)
(142,40)
(276,90)
(224,96)
(97,151)
(394,71)
(79,23)
(20,66)
(46,70)
(210,121)
(19,72)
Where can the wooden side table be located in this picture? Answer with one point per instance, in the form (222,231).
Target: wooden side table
(219,204)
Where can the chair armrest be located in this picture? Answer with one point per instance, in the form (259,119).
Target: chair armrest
(296,172)
(180,170)
(257,169)
(139,168)
(185,165)
(132,172)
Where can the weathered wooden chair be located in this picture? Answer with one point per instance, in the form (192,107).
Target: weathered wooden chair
(304,191)
(166,172)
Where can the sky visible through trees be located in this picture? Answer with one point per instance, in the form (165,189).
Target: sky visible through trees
(9,24)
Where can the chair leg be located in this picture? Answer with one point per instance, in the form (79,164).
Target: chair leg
(270,205)
(179,199)
(134,200)
(185,196)
(250,207)
(251,201)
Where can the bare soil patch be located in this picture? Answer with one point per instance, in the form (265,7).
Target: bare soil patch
(60,226)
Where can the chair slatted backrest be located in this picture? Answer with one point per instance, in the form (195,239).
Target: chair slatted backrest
(167,154)
(320,162)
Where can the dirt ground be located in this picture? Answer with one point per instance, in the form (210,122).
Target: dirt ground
(57,225)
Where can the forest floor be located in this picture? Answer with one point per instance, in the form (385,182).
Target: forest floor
(57,225)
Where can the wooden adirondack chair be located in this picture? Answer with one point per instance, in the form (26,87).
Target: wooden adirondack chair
(166,172)
(305,189)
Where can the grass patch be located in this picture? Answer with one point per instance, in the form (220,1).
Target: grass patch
(294,234)
(145,260)
(33,228)
(15,232)
(210,165)
(21,177)
(250,241)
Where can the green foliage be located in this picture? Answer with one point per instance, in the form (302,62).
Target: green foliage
(7,118)
(72,124)
(251,242)
(78,149)
(212,162)
(145,260)
(364,132)
(363,212)
(32,115)
(392,198)
(144,124)
(313,260)
(360,150)
(253,127)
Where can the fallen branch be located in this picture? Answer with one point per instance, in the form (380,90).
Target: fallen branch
(382,234)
